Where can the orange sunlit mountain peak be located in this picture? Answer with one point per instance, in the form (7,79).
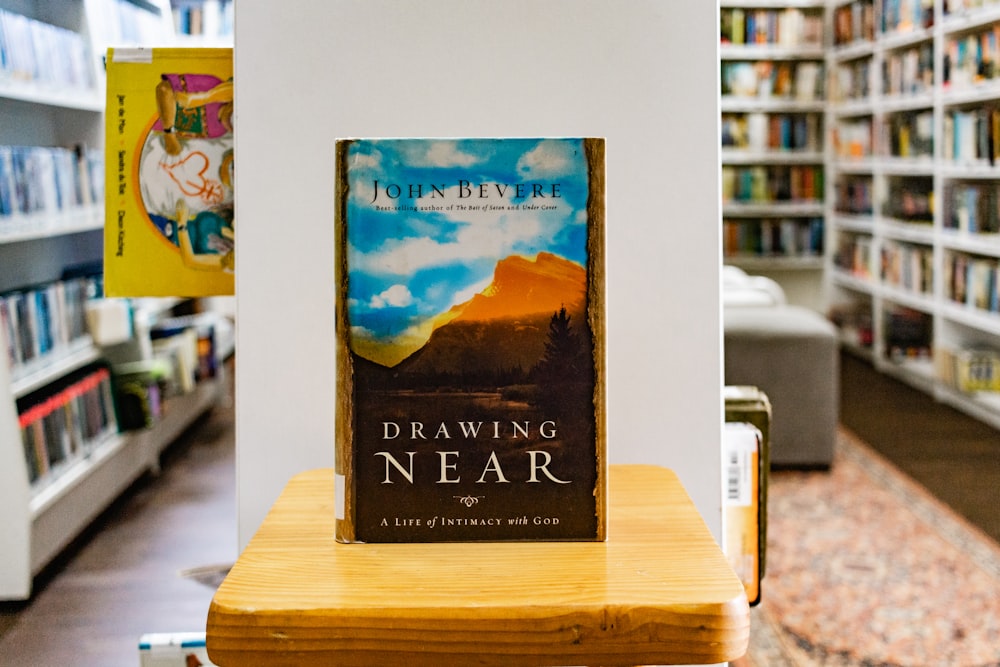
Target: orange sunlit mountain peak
(523,286)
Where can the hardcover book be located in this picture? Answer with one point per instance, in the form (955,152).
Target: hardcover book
(169,228)
(471,346)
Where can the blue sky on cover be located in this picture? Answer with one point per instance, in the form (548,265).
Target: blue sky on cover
(409,265)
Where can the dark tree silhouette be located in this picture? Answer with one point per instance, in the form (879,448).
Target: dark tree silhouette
(563,351)
(565,373)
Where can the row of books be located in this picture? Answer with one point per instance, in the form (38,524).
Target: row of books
(65,422)
(972,280)
(971,58)
(968,370)
(48,180)
(852,138)
(910,71)
(910,199)
(787,27)
(39,322)
(853,318)
(974,207)
(853,255)
(907,266)
(772,183)
(800,81)
(910,134)
(970,136)
(853,195)
(135,23)
(773,237)
(908,333)
(960,6)
(851,80)
(779,131)
(854,21)
(45,54)
(969,279)
(905,15)
(211,18)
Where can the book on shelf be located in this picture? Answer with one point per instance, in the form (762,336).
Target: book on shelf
(969,370)
(799,81)
(470,340)
(65,421)
(38,183)
(40,322)
(972,280)
(169,228)
(973,208)
(44,55)
(854,22)
(786,27)
(909,333)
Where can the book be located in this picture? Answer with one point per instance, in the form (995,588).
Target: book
(173,649)
(747,465)
(470,340)
(169,228)
(742,504)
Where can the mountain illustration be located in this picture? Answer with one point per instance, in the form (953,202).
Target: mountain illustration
(505,326)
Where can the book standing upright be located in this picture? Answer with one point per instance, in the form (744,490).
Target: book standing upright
(470,321)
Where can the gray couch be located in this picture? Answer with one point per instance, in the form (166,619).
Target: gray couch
(790,353)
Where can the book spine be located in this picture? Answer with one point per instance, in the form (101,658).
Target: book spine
(344,483)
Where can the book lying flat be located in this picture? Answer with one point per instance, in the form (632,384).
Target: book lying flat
(470,334)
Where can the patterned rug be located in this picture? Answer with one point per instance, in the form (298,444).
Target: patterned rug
(865,568)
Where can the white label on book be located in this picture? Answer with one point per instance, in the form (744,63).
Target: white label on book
(132,55)
(339,493)
(741,442)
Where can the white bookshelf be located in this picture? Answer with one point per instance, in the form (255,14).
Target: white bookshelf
(896,255)
(773,104)
(39,519)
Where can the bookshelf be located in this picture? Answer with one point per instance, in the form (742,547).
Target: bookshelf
(772,67)
(912,271)
(51,224)
(203,22)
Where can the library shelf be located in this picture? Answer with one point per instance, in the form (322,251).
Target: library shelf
(929,243)
(52,102)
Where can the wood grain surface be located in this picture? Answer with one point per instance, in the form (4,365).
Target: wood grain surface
(658,591)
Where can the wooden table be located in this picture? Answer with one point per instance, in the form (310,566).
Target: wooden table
(659,591)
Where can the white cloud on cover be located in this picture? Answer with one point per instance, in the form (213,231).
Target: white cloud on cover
(447,154)
(547,158)
(472,242)
(397,296)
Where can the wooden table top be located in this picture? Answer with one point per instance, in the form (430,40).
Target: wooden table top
(658,591)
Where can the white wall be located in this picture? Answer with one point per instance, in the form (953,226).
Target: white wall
(642,73)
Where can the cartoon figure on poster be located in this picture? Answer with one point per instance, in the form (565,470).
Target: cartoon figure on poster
(186,169)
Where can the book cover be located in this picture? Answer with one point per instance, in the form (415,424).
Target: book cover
(169,228)
(470,327)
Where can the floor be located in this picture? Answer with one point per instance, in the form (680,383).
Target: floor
(149,563)
(955,457)
(141,567)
